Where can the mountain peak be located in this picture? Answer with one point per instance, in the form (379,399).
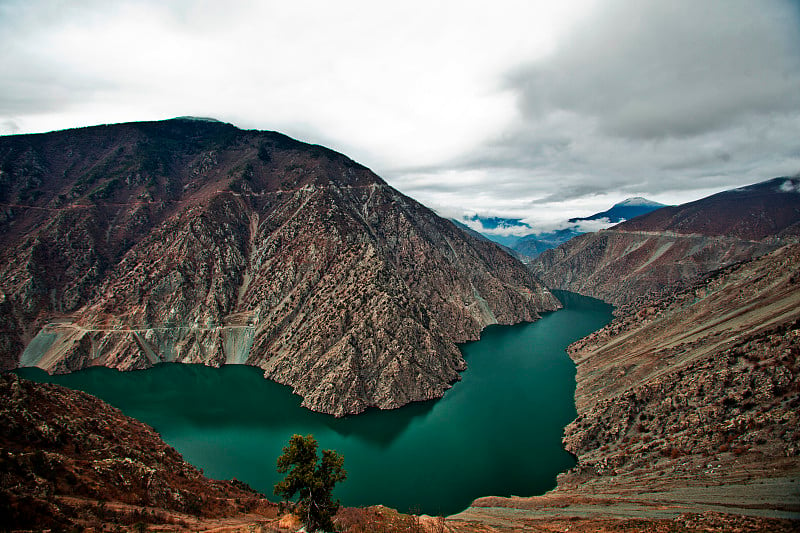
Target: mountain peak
(638,201)
(625,210)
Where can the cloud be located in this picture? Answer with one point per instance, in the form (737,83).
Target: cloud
(391,84)
(589,226)
(670,69)
(790,186)
(8,127)
(536,110)
(667,100)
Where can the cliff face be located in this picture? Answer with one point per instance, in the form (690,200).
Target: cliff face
(68,459)
(192,241)
(653,252)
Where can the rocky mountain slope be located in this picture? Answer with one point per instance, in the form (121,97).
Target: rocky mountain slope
(689,404)
(69,459)
(194,241)
(651,253)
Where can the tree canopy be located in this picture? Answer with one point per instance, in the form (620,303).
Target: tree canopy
(311,479)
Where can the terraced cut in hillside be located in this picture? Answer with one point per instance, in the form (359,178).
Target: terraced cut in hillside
(648,255)
(690,404)
(194,241)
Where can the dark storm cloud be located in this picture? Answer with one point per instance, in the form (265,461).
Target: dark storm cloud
(661,69)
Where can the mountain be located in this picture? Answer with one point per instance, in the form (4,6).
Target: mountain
(685,405)
(756,212)
(625,210)
(531,246)
(650,253)
(69,459)
(193,241)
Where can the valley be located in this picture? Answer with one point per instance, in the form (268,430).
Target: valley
(519,381)
(135,245)
(686,405)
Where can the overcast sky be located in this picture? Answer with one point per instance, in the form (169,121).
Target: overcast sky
(535,110)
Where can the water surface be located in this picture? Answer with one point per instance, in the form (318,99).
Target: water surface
(497,432)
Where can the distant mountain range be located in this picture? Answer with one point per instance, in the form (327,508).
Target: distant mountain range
(496,223)
(530,245)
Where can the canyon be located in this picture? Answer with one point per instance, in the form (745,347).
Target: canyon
(688,405)
(688,401)
(194,241)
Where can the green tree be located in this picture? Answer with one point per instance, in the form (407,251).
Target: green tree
(311,479)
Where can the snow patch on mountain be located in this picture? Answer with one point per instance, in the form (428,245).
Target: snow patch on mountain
(638,201)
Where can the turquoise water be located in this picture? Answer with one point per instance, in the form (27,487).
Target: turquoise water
(497,432)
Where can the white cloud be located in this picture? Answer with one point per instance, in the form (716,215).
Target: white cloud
(534,110)
(790,186)
(671,101)
(394,84)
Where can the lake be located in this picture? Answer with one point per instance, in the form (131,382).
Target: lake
(496,432)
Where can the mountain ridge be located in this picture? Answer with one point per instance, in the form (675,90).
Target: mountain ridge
(133,244)
(674,244)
